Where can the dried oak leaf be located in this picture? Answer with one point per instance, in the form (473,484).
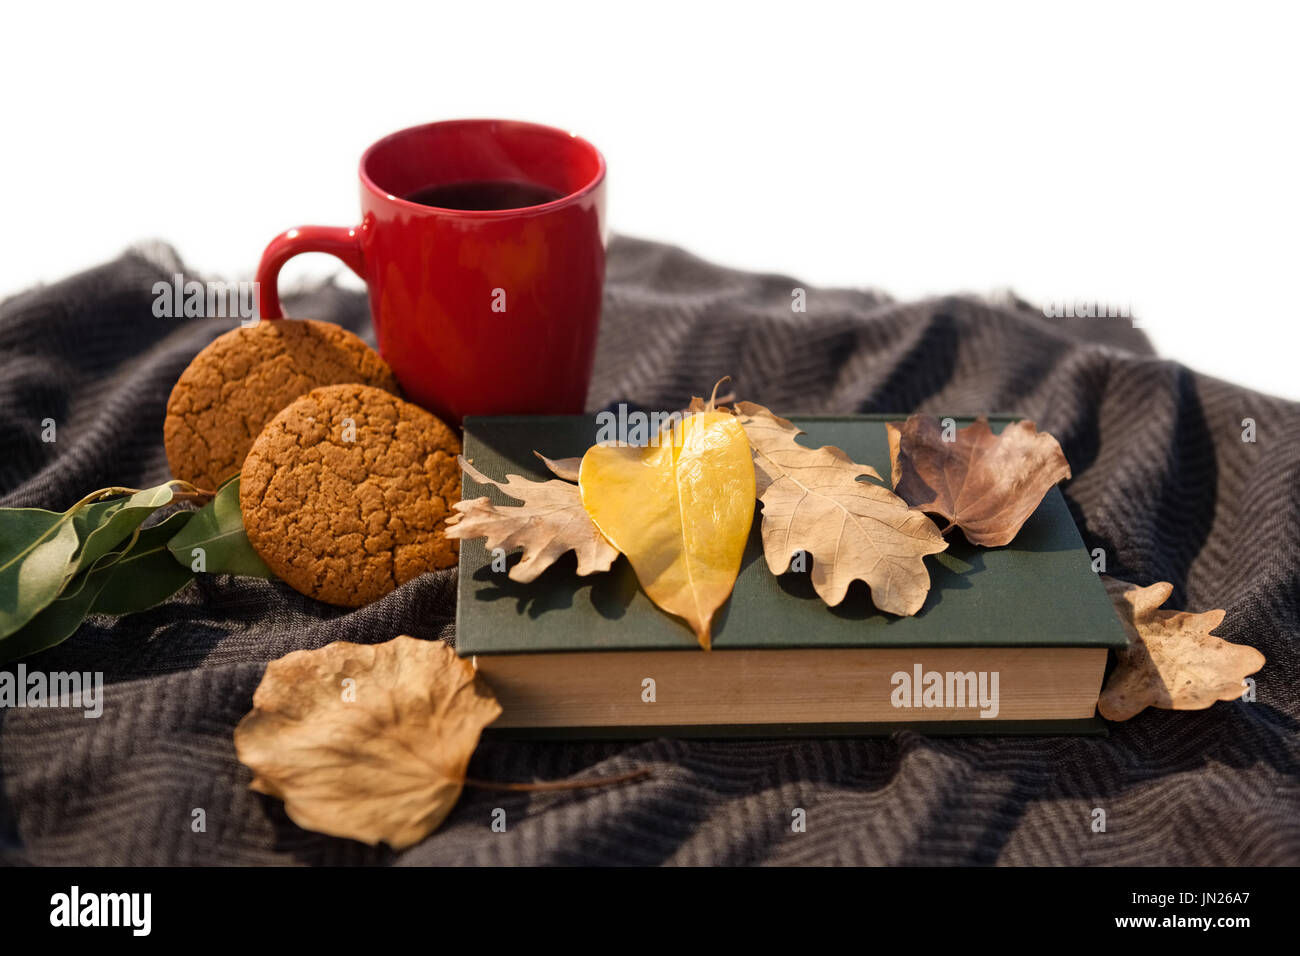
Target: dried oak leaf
(566,468)
(854,530)
(383,758)
(550,522)
(1172,660)
(988,485)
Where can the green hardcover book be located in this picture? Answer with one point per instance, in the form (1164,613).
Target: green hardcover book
(1011,640)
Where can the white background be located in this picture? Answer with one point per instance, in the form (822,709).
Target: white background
(1143,155)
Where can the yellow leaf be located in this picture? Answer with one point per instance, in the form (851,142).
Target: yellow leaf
(366,741)
(680,509)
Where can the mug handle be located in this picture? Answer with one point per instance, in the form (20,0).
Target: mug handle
(340,241)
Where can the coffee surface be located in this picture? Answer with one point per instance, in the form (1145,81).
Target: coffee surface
(484,195)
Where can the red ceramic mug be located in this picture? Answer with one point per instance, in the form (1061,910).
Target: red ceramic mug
(478,311)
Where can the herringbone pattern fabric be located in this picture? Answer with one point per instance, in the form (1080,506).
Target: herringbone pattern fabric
(1162,481)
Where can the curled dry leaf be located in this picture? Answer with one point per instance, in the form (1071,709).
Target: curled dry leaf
(1172,660)
(988,485)
(680,509)
(550,522)
(813,502)
(381,759)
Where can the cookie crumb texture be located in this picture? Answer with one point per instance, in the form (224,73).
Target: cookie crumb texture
(244,377)
(347,521)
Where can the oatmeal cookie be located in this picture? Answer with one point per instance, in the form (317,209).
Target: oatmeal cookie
(243,378)
(346,492)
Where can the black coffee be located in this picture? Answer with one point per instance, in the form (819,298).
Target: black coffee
(484,194)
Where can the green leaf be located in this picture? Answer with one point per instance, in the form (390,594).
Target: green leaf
(141,576)
(42,551)
(36,549)
(146,575)
(218,529)
(56,622)
(106,524)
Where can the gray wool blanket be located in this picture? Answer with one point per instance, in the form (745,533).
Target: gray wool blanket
(1162,481)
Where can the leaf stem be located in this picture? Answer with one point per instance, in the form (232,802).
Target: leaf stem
(190,492)
(186,492)
(713,399)
(628,777)
(100,495)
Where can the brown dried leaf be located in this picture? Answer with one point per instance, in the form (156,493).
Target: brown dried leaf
(719,403)
(1172,660)
(383,758)
(854,530)
(988,485)
(550,522)
(566,468)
